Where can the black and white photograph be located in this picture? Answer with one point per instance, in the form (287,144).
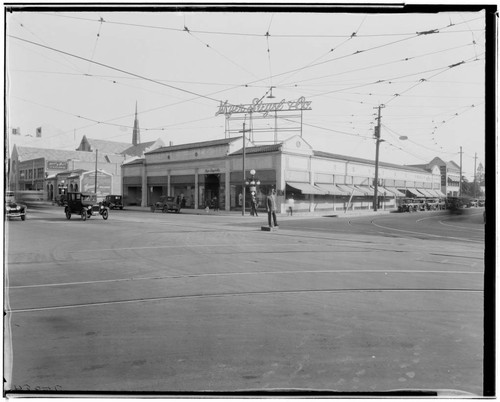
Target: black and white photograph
(249,200)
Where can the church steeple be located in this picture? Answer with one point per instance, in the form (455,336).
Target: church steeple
(136,134)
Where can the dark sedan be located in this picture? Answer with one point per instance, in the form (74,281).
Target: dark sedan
(13,209)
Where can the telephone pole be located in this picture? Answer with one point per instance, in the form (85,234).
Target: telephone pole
(243,185)
(475,161)
(95,178)
(377,145)
(460,178)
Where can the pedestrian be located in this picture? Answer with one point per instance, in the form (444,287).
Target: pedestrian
(253,204)
(271,209)
(291,203)
(215,203)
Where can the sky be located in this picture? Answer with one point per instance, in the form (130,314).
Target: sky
(77,73)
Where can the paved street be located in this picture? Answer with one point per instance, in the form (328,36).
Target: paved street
(183,302)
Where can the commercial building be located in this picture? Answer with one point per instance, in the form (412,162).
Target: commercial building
(318,180)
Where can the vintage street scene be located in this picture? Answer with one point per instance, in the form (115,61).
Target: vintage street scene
(254,201)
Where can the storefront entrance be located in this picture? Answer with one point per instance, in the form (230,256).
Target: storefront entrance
(212,190)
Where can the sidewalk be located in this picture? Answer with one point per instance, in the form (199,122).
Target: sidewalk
(297,215)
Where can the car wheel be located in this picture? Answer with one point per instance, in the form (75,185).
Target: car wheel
(23,217)
(68,213)
(121,207)
(105,214)
(84,215)
(164,210)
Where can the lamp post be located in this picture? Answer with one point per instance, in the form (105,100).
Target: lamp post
(252,182)
(243,189)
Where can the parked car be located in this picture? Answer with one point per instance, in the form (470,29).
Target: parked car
(13,209)
(481,203)
(166,204)
(408,205)
(84,205)
(473,203)
(434,204)
(421,204)
(61,200)
(113,201)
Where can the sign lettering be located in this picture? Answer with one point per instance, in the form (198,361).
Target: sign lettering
(57,165)
(257,106)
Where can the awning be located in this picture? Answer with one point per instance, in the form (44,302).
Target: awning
(395,191)
(414,192)
(438,193)
(331,189)
(366,190)
(306,188)
(426,192)
(350,190)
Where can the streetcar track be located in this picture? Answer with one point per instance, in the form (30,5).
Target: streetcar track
(427,234)
(184,276)
(239,294)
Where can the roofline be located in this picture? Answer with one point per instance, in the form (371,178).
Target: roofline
(366,161)
(201,144)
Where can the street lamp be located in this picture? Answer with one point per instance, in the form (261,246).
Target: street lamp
(252,182)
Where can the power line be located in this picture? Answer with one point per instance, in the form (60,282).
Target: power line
(116,69)
(249,34)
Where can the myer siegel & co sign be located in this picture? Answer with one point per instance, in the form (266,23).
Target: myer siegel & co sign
(258,106)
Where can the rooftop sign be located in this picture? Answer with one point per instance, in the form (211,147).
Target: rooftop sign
(257,106)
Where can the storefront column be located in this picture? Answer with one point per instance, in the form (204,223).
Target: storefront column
(145,189)
(311,182)
(169,191)
(227,183)
(196,190)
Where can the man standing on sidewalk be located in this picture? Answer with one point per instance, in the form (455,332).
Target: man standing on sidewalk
(271,208)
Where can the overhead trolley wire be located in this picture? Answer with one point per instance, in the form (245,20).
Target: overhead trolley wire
(116,69)
(108,21)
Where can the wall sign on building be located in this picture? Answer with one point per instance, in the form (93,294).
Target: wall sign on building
(57,165)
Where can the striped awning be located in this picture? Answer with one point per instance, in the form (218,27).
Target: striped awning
(426,192)
(306,188)
(415,192)
(438,193)
(395,191)
(331,189)
(351,190)
(366,190)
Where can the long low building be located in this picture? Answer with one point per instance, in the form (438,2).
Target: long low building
(197,173)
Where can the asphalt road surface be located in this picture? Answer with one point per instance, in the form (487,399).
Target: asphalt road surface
(172,303)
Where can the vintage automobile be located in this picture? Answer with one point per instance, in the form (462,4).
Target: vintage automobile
(12,208)
(434,204)
(61,200)
(166,204)
(84,205)
(481,203)
(113,202)
(473,203)
(408,205)
(420,204)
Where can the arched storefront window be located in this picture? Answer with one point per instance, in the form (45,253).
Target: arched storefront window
(71,187)
(76,187)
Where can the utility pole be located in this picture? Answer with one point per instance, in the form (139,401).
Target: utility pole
(475,160)
(460,178)
(243,185)
(377,145)
(95,188)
